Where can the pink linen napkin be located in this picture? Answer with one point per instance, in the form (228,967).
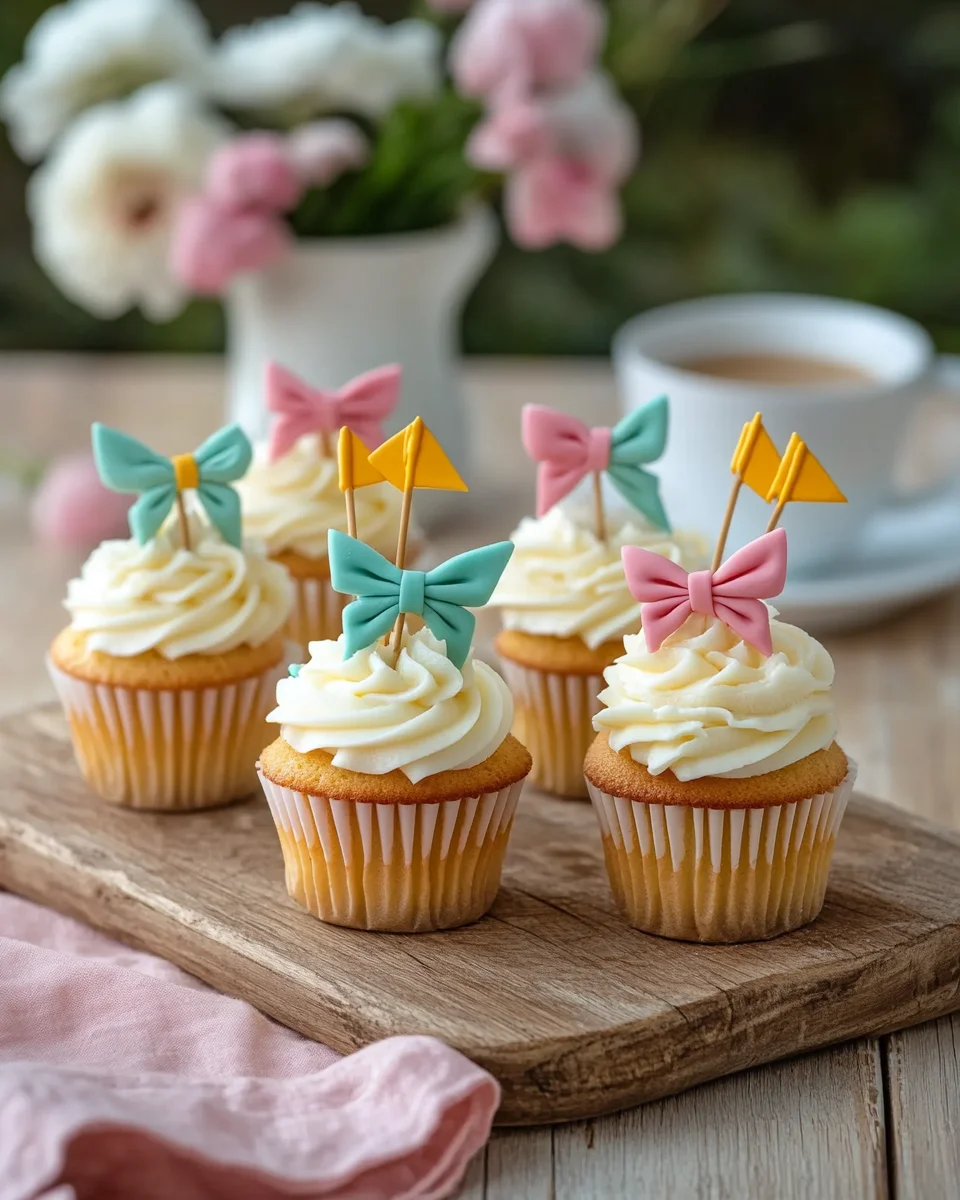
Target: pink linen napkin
(122,1076)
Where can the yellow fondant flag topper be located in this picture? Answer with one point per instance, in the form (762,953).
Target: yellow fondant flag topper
(413,458)
(801,477)
(756,459)
(353,459)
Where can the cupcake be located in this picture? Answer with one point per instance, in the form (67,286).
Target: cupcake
(395,778)
(291,494)
(167,668)
(565,607)
(715,774)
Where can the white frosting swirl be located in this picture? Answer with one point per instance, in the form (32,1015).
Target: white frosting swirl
(706,703)
(419,716)
(563,582)
(206,600)
(291,503)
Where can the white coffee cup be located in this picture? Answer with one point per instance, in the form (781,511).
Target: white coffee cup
(856,428)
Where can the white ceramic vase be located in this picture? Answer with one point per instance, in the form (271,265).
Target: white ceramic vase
(334,308)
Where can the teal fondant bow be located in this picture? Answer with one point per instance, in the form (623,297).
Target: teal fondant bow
(384,591)
(568,450)
(126,465)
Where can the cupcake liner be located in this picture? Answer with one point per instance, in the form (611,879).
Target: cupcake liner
(317,613)
(173,749)
(720,874)
(393,867)
(553,718)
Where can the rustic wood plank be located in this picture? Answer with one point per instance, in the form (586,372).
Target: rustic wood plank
(574,1012)
(923,1088)
(520,1165)
(809,1128)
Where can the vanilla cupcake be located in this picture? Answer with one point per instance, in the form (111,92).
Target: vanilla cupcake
(565,608)
(167,668)
(718,782)
(393,784)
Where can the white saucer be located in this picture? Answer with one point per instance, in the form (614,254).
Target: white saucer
(908,553)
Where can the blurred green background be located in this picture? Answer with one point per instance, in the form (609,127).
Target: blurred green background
(801,146)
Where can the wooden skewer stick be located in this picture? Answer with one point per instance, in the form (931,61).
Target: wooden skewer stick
(401,558)
(184,523)
(777,514)
(599,517)
(727,521)
(325,447)
(351,503)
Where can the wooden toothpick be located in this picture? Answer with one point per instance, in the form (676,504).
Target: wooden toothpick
(184,523)
(599,517)
(401,558)
(727,521)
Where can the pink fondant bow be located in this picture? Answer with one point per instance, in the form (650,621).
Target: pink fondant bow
(566,449)
(361,405)
(734,593)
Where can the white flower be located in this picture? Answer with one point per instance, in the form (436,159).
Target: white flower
(103,204)
(320,59)
(87,51)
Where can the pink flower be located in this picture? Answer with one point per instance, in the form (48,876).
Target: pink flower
(254,170)
(212,244)
(513,134)
(72,508)
(514,47)
(555,200)
(323,150)
(588,121)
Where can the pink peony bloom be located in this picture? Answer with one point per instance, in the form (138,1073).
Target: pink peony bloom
(323,150)
(254,170)
(72,508)
(515,47)
(562,200)
(511,135)
(212,244)
(588,121)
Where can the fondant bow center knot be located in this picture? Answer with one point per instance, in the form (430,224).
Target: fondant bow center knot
(734,593)
(362,405)
(127,465)
(568,451)
(441,596)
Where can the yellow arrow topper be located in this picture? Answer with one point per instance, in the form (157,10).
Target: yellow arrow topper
(755,462)
(801,477)
(413,458)
(353,460)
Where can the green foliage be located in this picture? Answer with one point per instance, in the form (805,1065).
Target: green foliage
(417,177)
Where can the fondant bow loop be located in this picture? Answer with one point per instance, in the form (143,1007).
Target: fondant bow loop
(734,593)
(440,596)
(127,465)
(362,405)
(568,450)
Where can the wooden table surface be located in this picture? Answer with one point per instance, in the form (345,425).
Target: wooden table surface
(875,1118)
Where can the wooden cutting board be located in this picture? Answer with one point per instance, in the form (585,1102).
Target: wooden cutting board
(575,1013)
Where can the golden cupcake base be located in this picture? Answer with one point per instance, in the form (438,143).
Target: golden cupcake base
(404,868)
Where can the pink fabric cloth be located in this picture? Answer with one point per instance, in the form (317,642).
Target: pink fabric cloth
(121,1076)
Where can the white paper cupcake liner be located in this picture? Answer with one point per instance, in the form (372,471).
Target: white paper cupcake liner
(176,749)
(720,874)
(553,718)
(393,867)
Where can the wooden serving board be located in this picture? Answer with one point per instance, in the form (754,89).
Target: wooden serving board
(574,1012)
